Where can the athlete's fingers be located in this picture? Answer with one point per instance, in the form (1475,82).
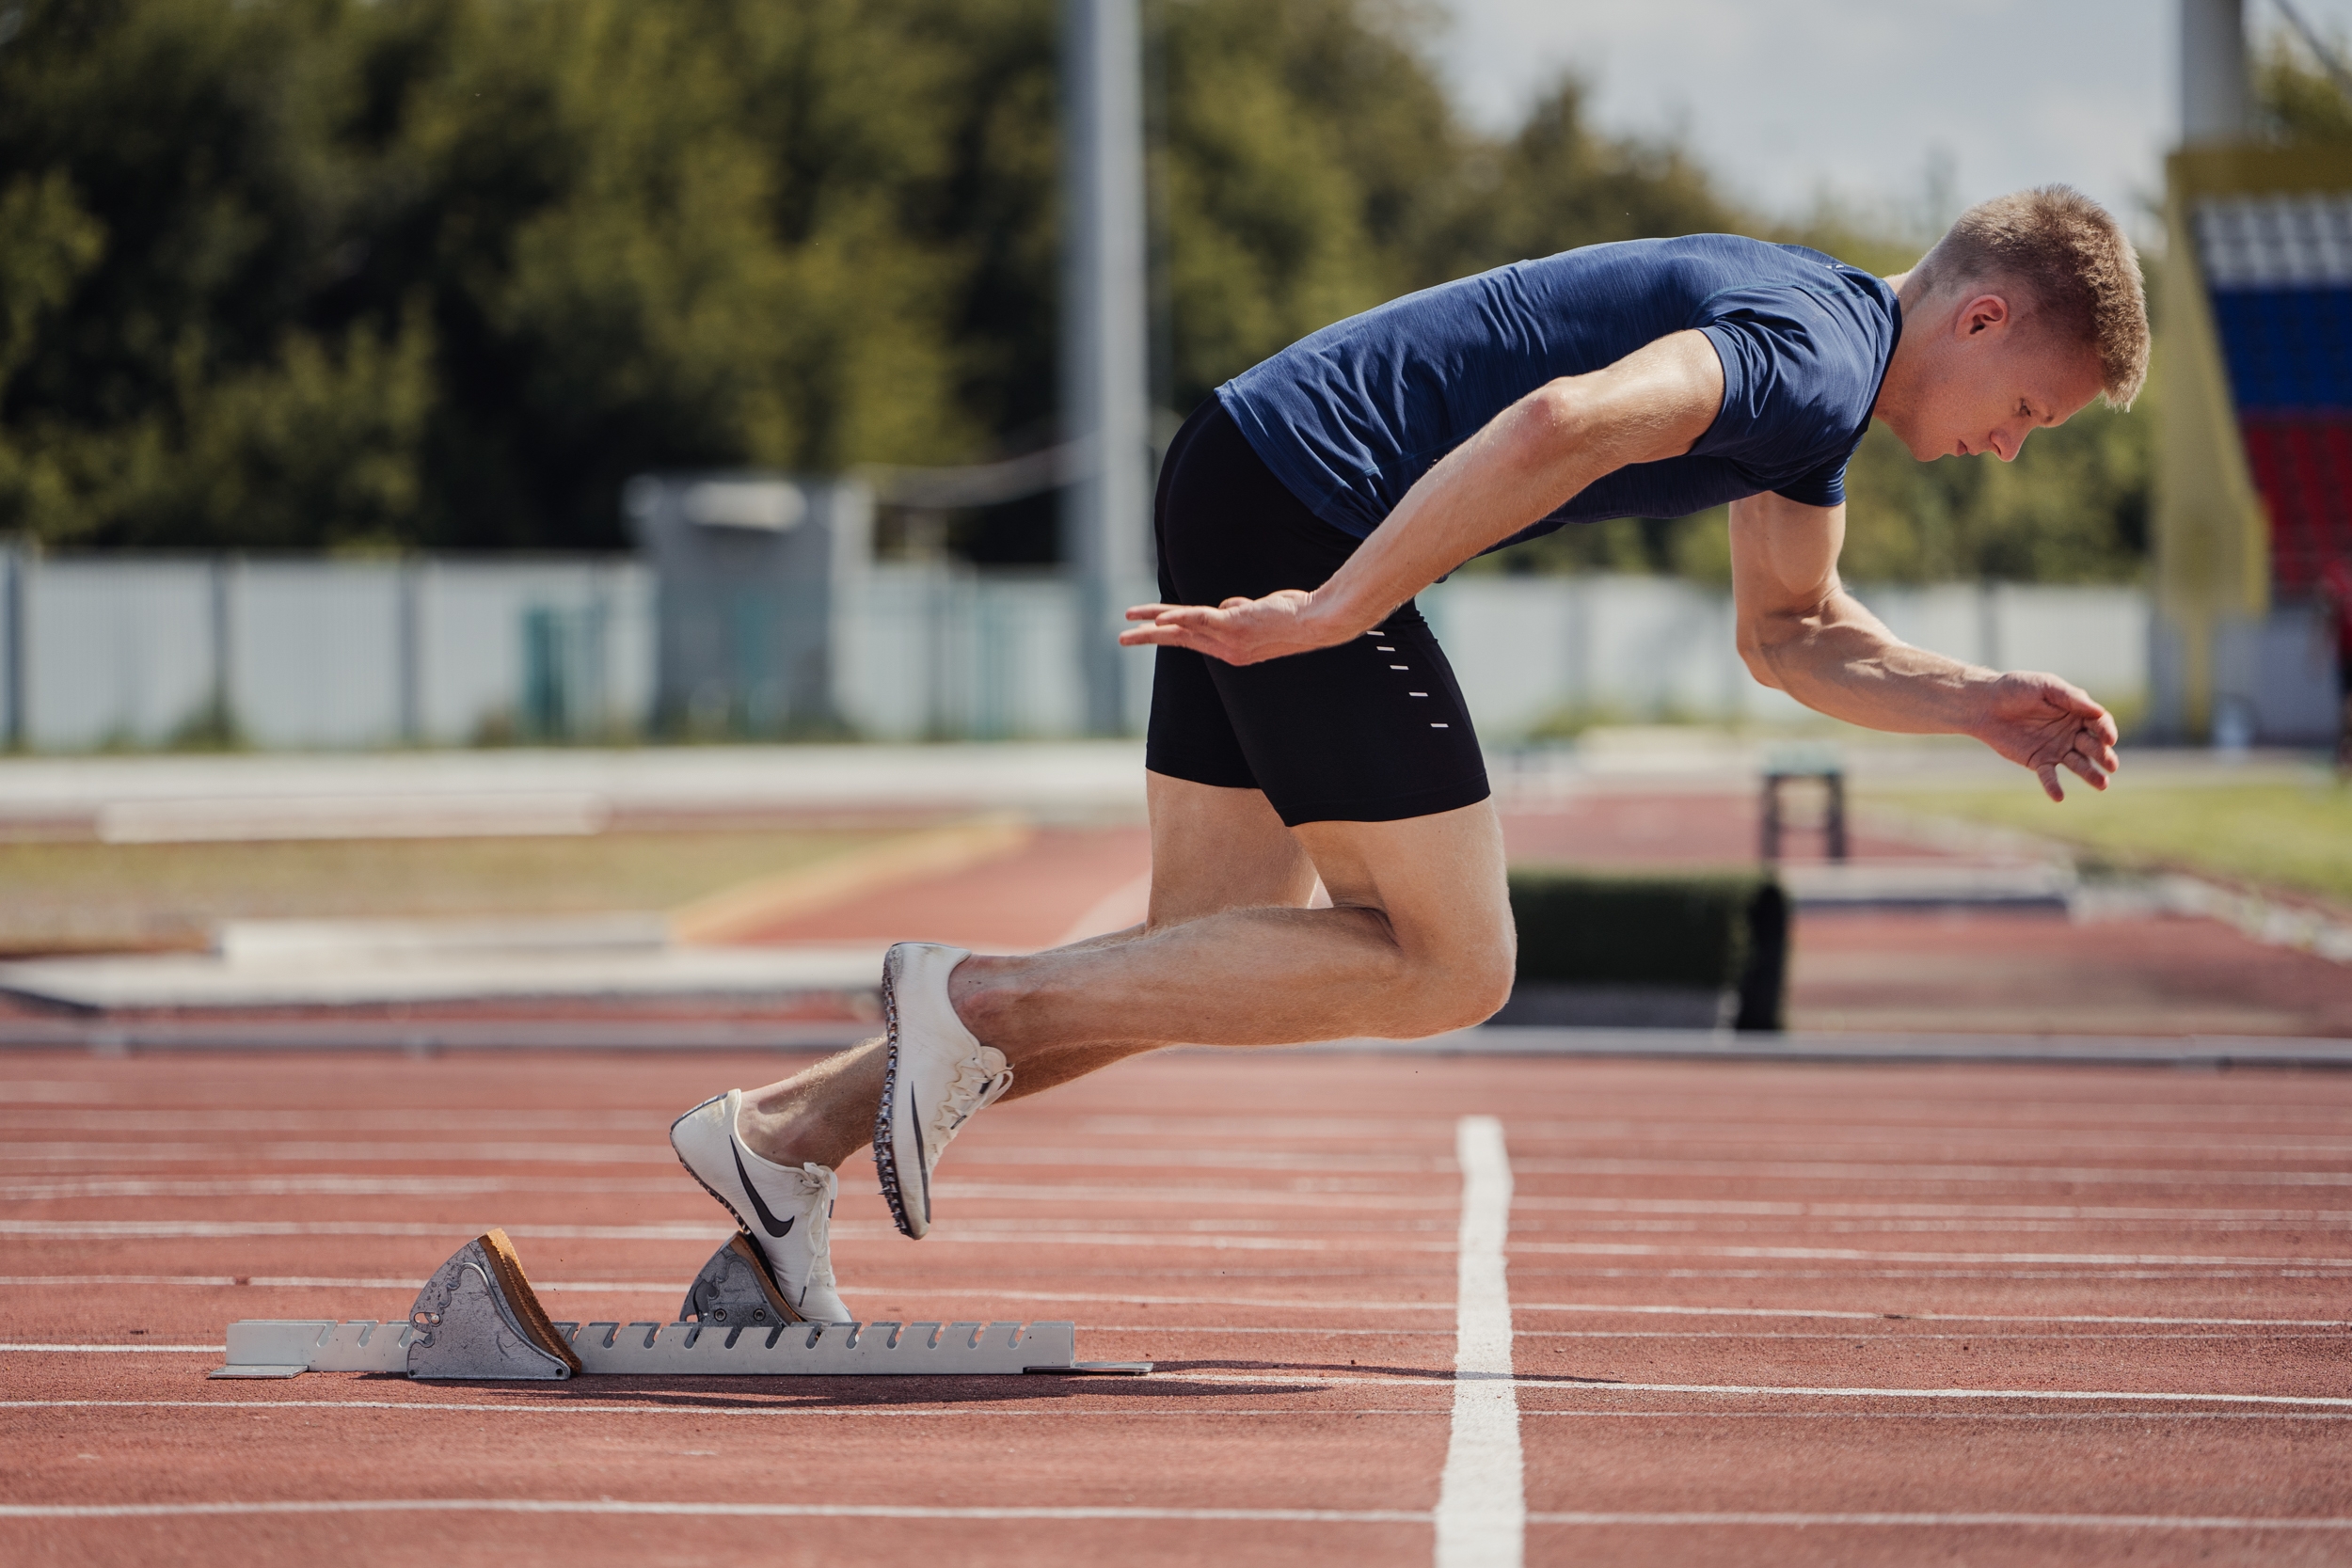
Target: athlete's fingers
(1148,611)
(2089,745)
(2091,773)
(1160,636)
(2050,785)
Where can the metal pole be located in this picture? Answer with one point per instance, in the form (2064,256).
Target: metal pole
(2215,104)
(13,641)
(1104,320)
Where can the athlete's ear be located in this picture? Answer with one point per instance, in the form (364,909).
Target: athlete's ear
(1984,313)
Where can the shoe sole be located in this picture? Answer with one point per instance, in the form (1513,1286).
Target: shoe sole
(886,1139)
(742,1228)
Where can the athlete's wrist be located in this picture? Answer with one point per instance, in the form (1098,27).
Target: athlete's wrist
(1331,615)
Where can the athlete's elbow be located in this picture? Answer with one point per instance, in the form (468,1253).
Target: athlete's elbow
(1759,650)
(1469,991)
(1557,414)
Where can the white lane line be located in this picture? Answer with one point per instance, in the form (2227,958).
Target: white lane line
(691,1510)
(1017,1235)
(238,1151)
(1664,1215)
(102,1230)
(1831,1209)
(1928,1414)
(348,1120)
(1775,1390)
(1316,1303)
(1949,1521)
(1841,1171)
(1612,1308)
(1481,1500)
(31,1190)
(95,1230)
(1743,1122)
(301,1282)
(342,1156)
(838,1412)
(1871,1255)
(109,1350)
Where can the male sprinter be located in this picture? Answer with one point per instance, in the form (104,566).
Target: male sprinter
(1305,724)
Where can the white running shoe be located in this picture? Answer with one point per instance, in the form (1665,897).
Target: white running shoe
(939,1075)
(788,1213)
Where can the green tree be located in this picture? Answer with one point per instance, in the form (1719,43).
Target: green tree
(1559,183)
(375,273)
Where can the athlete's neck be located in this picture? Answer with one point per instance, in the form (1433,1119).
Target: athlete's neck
(1898,393)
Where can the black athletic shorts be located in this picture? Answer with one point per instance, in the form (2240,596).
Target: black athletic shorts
(1371,731)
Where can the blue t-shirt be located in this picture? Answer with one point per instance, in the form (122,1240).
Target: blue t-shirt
(1349,418)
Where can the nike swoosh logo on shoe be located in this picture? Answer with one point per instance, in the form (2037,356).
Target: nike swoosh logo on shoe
(767,1219)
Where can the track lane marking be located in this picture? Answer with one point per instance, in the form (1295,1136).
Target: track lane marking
(1481,1515)
(110,1350)
(1015,1233)
(1235,1515)
(673,1406)
(1750,1171)
(745,1511)
(1949,1521)
(1749,1390)
(1678,1310)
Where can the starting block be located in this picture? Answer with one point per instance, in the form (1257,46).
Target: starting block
(478,1319)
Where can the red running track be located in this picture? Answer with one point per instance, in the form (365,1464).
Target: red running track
(1763,1313)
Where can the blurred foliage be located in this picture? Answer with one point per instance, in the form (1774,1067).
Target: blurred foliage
(2301,99)
(390,273)
(2072,508)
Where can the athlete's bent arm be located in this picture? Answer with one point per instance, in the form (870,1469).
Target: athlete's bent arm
(1802,632)
(1527,463)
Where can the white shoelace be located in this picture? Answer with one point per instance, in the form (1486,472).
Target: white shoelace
(819,1234)
(968,1092)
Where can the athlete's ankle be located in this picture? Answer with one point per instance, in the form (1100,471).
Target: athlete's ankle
(787,1139)
(986,993)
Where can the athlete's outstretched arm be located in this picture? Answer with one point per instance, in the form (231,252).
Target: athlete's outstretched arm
(1527,463)
(1801,631)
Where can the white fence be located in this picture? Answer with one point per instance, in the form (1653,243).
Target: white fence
(147,651)
(321,654)
(1531,651)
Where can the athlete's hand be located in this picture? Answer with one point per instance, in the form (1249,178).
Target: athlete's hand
(2044,723)
(1239,631)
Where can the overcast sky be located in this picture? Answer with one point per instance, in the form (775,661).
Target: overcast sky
(1784,99)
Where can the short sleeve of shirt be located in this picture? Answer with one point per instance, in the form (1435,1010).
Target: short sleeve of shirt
(1800,374)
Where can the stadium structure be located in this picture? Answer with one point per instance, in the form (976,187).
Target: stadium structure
(2254,463)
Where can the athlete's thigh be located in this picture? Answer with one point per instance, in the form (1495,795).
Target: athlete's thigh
(1218,849)
(1438,879)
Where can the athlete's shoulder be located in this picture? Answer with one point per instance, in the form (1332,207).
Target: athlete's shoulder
(1695,267)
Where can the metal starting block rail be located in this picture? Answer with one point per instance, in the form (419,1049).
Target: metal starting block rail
(478,1318)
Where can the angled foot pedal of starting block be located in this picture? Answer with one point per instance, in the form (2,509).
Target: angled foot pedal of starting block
(478,1318)
(735,1290)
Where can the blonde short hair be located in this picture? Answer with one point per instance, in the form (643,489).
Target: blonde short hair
(2070,259)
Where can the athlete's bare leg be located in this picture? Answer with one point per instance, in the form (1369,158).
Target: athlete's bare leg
(1418,941)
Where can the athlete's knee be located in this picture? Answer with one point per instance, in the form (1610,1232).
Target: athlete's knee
(1456,988)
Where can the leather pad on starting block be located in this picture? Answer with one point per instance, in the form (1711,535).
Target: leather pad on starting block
(479,1318)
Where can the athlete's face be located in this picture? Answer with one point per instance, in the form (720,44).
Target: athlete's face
(1992,379)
